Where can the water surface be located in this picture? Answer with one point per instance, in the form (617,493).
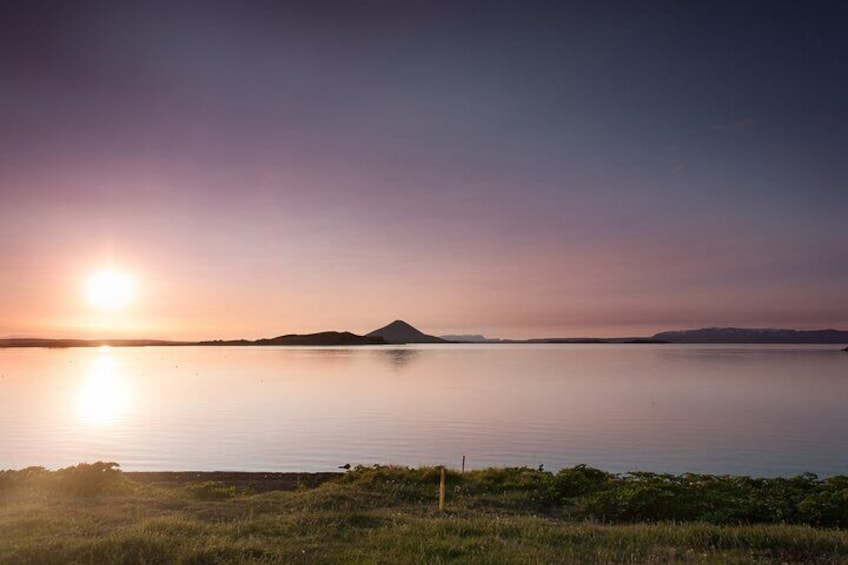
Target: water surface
(761,410)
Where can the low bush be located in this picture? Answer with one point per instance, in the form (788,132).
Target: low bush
(85,479)
(91,479)
(210,490)
(577,481)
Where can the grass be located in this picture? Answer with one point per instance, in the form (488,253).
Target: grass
(95,514)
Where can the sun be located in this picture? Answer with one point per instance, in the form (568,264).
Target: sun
(110,290)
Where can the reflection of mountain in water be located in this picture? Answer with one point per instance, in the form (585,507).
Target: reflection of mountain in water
(398,358)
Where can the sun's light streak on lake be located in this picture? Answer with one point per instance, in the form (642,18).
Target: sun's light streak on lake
(104,394)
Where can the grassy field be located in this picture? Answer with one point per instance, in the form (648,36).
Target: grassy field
(96,514)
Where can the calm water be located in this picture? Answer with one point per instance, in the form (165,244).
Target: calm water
(761,410)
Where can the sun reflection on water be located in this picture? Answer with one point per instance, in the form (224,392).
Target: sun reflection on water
(104,395)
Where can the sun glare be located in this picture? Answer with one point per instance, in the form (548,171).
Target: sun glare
(110,290)
(104,395)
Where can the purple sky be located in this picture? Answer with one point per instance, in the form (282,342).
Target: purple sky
(518,169)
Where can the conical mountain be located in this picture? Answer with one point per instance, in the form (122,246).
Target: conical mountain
(401,332)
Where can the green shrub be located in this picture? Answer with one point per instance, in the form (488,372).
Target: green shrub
(396,484)
(26,479)
(91,479)
(579,480)
(825,509)
(210,490)
(507,479)
(651,497)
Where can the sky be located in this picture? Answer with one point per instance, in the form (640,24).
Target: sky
(515,169)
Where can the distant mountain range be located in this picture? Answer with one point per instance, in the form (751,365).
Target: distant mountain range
(748,335)
(400,332)
(703,335)
(477,338)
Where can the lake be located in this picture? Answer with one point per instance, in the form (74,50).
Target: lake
(762,410)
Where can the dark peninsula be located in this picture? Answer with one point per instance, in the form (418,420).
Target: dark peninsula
(320,338)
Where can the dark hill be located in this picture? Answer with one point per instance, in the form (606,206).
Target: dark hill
(322,338)
(748,335)
(401,332)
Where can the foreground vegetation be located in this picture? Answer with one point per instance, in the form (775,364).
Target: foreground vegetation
(96,514)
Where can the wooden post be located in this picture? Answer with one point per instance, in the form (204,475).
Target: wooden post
(442,492)
(463,464)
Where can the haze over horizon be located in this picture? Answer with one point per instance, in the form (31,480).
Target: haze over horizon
(513,169)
